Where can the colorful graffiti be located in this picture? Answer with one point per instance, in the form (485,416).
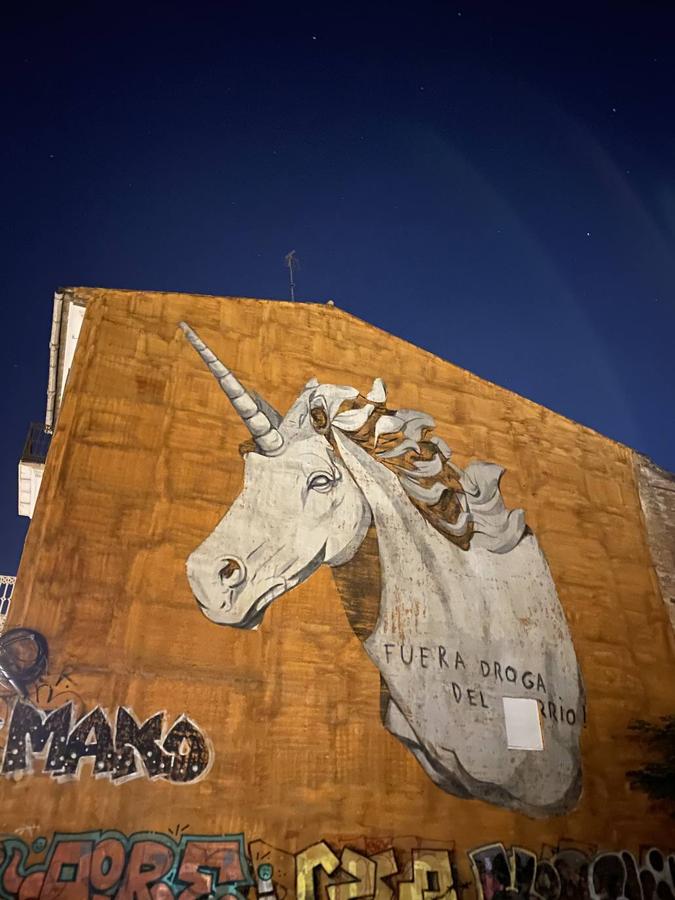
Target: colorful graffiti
(152,866)
(145,866)
(413,869)
(571,873)
(356,869)
(123,751)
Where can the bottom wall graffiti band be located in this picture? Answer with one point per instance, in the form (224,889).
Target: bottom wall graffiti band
(151,866)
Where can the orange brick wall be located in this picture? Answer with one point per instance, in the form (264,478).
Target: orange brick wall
(143,464)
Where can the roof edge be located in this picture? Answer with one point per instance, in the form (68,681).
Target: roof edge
(333,309)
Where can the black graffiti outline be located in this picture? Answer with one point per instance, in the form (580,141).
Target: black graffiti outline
(117,750)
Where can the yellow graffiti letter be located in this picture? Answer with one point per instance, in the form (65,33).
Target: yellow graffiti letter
(362,870)
(432,877)
(317,856)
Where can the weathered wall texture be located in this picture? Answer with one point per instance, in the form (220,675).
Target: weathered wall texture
(657,496)
(142,467)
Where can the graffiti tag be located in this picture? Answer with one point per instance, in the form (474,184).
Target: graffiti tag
(151,866)
(145,866)
(128,750)
(571,874)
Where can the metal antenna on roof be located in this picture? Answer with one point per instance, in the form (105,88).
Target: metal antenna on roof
(292,261)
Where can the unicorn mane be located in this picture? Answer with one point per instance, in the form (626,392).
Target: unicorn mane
(464,505)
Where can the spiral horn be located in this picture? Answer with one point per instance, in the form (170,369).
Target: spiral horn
(267,437)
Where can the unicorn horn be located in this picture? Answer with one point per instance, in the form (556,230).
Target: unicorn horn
(267,437)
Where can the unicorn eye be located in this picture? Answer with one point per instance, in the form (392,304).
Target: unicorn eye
(321,482)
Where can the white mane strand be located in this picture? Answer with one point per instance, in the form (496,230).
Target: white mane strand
(465,505)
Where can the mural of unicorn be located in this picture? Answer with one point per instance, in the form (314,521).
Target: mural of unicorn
(468,613)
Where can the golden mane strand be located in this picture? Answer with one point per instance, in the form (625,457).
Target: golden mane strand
(410,465)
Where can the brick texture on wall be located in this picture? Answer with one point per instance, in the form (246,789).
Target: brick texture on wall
(144,463)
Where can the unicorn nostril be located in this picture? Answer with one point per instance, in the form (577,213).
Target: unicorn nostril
(232,573)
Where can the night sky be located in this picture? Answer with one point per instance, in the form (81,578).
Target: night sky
(492,181)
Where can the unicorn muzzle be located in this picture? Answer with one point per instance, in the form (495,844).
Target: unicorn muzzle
(215,582)
(224,592)
(232,573)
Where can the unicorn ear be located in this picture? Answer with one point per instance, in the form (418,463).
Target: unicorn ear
(312,383)
(378,392)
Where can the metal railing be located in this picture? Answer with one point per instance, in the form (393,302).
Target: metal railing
(37,443)
(7,583)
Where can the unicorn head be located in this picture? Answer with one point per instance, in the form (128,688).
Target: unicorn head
(468,616)
(301,507)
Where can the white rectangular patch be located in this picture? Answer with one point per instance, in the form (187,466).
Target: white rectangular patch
(523,727)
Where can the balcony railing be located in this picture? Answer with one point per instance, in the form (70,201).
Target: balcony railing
(7,583)
(37,444)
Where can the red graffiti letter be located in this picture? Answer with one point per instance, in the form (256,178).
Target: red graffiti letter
(67,877)
(32,886)
(13,885)
(204,859)
(107,864)
(148,862)
(11,880)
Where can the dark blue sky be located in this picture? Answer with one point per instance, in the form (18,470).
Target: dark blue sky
(492,181)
